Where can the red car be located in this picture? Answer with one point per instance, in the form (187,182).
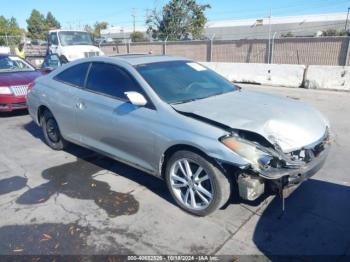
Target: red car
(15,76)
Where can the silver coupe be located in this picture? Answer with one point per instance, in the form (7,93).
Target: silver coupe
(178,120)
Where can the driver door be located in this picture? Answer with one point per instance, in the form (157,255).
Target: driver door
(109,123)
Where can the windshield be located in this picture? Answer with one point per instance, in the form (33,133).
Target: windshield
(14,64)
(183,81)
(74,38)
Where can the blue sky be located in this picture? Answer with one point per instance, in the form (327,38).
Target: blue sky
(81,12)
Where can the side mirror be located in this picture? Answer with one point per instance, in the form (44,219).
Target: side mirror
(51,62)
(136,98)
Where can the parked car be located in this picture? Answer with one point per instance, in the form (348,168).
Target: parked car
(16,75)
(71,45)
(180,121)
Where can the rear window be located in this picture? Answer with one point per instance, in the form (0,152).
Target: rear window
(74,75)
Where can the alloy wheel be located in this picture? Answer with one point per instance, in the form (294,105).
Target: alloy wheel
(191,184)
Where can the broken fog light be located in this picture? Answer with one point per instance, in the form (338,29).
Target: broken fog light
(251,152)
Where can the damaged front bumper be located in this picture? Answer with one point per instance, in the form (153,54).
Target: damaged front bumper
(285,179)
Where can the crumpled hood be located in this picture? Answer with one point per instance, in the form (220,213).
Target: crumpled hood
(289,123)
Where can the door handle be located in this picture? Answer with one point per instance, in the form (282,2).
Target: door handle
(80,105)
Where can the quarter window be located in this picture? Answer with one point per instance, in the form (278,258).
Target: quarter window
(111,80)
(74,75)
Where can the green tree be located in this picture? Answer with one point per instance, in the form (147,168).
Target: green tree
(289,34)
(89,29)
(36,25)
(334,32)
(51,22)
(10,32)
(138,37)
(178,20)
(98,27)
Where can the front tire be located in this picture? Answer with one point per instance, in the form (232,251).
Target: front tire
(197,185)
(51,131)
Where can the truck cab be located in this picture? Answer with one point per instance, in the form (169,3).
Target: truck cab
(70,45)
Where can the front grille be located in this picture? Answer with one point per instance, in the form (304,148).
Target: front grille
(90,54)
(19,90)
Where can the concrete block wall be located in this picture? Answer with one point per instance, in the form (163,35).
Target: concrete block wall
(328,77)
(316,77)
(265,74)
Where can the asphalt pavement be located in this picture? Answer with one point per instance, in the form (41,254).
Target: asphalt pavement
(79,202)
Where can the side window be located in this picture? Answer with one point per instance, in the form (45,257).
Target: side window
(53,39)
(111,80)
(74,75)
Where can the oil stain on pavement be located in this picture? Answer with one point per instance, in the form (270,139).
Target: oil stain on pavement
(48,239)
(76,180)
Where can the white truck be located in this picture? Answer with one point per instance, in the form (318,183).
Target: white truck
(70,45)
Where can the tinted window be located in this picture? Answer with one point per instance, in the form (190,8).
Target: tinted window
(74,75)
(110,80)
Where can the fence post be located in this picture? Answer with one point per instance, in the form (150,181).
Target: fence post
(272,47)
(128,46)
(347,53)
(164,45)
(210,53)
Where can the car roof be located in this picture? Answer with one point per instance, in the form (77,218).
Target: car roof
(65,30)
(138,59)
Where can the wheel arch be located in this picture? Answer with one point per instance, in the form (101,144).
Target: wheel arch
(41,110)
(225,167)
(178,147)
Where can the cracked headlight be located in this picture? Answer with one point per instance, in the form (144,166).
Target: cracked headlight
(251,152)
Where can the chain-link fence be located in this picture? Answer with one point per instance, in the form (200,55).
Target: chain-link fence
(293,50)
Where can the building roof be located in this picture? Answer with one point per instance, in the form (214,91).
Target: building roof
(279,20)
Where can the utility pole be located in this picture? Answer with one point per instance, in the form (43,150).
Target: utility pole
(133,14)
(346,22)
(269,47)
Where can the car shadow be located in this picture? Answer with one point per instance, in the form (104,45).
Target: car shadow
(88,159)
(316,222)
(33,129)
(11,184)
(76,180)
(15,113)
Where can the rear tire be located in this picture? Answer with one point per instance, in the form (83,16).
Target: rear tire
(51,131)
(204,191)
